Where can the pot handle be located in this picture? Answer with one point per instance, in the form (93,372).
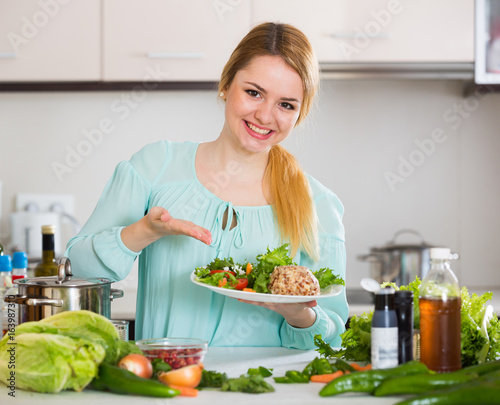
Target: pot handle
(412,231)
(115,293)
(23,300)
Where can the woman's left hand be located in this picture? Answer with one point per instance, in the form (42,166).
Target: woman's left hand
(298,315)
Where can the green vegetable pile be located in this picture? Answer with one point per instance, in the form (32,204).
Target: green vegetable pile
(480,329)
(259,276)
(60,352)
(253,382)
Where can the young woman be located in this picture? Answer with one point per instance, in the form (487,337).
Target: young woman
(179,205)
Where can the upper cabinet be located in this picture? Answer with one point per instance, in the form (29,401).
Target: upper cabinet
(108,41)
(50,40)
(385,31)
(166,40)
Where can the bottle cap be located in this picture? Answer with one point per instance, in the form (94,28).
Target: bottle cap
(19,260)
(403,298)
(384,299)
(5,263)
(440,253)
(48,229)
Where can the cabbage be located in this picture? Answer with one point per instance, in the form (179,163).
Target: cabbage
(46,362)
(89,325)
(60,352)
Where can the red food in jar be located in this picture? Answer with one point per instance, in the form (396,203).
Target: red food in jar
(176,358)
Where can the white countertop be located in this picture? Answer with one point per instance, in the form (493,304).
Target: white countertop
(233,361)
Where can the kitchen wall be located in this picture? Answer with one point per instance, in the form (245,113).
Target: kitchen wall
(399,154)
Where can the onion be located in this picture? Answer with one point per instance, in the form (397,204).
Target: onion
(138,364)
(188,376)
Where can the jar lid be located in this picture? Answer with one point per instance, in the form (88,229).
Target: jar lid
(440,253)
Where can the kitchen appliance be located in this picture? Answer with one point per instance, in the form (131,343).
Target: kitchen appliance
(42,297)
(400,262)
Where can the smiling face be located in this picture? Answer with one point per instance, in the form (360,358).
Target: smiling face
(262,104)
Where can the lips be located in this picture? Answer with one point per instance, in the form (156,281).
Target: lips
(257,131)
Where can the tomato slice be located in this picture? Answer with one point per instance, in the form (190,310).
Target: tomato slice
(241,283)
(223,271)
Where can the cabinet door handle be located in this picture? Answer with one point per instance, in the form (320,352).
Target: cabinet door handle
(175,55)
(352,35)
(8,55)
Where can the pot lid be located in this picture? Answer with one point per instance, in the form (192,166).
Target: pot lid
(53,281)
(392,245)
(64,278)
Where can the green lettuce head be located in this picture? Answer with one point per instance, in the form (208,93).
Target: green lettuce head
(47,362)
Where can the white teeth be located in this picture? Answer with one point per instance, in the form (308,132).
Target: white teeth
(258,130)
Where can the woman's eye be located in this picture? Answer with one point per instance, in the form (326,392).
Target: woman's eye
(288,106)
(253,93)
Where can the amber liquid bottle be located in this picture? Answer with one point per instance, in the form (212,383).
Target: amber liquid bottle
(439,305)
(48,265)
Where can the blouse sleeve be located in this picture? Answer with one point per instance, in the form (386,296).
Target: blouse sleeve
(98,250)
(331,313)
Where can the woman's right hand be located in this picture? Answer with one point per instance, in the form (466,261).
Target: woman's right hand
(158,223)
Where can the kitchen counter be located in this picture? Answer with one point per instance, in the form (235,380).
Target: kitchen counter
(233,361)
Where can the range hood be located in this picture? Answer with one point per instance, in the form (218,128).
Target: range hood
(408,71)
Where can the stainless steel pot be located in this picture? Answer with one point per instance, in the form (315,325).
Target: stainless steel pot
(41,297)
(398,262)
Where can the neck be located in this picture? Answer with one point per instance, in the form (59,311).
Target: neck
(228,156)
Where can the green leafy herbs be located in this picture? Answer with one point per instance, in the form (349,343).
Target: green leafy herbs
(252,382)
(356,340)
(160,366)
(480,329)
(249,383)
(326,278)
(259,277)
(264,372)
(212,379)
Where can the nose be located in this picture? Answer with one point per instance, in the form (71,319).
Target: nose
(264,113)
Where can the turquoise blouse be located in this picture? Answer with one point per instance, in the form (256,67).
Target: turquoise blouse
(168,303)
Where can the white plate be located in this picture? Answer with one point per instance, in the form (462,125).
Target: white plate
(276,298)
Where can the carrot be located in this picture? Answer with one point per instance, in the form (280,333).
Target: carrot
(358,367)
(248,290)
(223,282)
(249,268)
(185,391)
(326,378)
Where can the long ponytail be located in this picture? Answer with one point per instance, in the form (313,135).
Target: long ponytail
(292,201)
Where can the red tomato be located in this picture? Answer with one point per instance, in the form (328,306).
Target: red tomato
(222,271)
(241,283)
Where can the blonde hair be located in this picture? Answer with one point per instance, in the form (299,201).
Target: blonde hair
(290,194)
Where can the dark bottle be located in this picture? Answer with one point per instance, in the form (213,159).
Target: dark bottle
(48,265)
(403,303)
(384,343)
(440,319)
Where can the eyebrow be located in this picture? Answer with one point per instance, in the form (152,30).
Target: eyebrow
(265,92)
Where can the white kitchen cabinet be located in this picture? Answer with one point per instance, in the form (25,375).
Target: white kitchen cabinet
(171,40)
(49,40)
(379,31)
